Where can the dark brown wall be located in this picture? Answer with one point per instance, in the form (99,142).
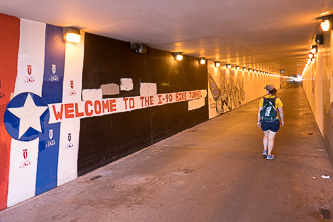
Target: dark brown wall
(106,138)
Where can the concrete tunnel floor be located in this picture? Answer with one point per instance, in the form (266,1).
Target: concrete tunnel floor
(211,172)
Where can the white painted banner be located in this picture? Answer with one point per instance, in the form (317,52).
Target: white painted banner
(22,171)
(30,66)
(76,110)
(70,129)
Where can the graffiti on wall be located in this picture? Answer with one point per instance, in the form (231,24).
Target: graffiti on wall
(228,91)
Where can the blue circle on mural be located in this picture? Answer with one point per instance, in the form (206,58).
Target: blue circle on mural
(26,117)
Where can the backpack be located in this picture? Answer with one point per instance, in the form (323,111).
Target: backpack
(268,112)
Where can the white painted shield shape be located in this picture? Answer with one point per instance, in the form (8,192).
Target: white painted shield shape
(54,69)
(51,134)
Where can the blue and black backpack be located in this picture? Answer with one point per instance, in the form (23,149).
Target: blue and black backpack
(268,112)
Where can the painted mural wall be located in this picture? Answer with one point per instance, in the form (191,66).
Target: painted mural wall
(67,108)
(230,88)
(317,84)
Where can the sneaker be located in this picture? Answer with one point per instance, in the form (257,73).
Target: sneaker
(264,153)
(270,157)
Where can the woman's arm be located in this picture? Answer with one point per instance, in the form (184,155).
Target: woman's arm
(259,123)
(281,116)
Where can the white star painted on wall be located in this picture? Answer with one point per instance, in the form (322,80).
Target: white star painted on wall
(29,115)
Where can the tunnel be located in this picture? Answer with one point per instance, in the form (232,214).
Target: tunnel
(151,112)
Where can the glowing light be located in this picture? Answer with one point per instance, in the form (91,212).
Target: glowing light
(202,61)
(325,25)
(72,35)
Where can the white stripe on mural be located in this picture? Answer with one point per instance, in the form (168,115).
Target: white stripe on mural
(70,129)
(68,151)
(30,58)
(24,155)
(22,171)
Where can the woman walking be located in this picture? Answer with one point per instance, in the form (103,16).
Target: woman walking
(270,107)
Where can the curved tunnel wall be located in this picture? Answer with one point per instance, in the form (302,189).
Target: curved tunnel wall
(317,84)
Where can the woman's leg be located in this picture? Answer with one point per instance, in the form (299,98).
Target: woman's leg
(270,145)
(265,140)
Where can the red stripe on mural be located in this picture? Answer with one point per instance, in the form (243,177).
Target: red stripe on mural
(9,45)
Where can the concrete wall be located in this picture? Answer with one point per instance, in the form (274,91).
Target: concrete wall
(317,84)
(230,88)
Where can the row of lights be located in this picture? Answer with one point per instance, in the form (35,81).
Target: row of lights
(311,56)
(325,26)
(179,57)
(228,66)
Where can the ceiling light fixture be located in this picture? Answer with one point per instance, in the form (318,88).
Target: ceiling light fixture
(314,49)
(325,25)
(202,61)
(237,67)
(178,56)
(217,64)
(244,68)
(228,66)
(72,35)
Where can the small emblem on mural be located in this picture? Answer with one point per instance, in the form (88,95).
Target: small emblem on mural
(72,92)
(70,144)
(54,77)
(25,153)
(54,69)
(26,162)
(29,69)
(51,134)
(26,116)
(29,78)
(52,141)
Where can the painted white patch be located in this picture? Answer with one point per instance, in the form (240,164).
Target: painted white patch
(92,94)
(148,89)
(110,89)
(126,84)
(153,88)
(144,89)
(22,171)
(70,129)
(196,104)
(30,63)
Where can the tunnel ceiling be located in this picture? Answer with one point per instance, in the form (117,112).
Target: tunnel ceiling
(267,35)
